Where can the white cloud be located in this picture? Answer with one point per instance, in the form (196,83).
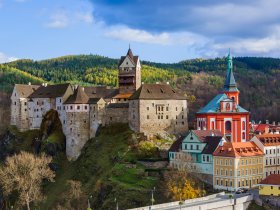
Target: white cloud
(4,58)
(180,38)
(58,20)
(86,17)
(258,46)
(65,18)
(128,34)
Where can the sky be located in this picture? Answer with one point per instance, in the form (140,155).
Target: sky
(157,30)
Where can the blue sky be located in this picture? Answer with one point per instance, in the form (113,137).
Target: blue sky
(158,30)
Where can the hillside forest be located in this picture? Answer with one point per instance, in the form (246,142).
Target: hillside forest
(200,79)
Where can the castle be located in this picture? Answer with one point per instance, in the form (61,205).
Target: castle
(150,109)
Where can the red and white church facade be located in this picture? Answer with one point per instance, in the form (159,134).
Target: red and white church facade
(224,113)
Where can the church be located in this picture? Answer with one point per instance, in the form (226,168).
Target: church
(224,113)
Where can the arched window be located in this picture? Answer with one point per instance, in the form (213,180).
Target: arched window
(232,98)
(243,125)
(243,135)
(213,125)
(228,126)
(227,106)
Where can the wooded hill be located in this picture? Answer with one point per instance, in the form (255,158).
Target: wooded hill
(200,79)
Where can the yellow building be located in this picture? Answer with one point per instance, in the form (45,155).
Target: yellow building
(270,185)
(238,164)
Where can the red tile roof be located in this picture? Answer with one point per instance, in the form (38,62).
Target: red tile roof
(272,179)
(261,128)
(201,134)
(238,149)
(269,139)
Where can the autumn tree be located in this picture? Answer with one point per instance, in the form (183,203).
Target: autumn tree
(181,186)
(24,173)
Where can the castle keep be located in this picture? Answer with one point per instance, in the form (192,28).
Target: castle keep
(148,108)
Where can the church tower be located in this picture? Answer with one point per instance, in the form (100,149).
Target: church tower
(129,73)
(224,113)
(230,86)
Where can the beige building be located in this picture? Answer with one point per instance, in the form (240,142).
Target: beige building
(237,165)
(158,109)
(19,109)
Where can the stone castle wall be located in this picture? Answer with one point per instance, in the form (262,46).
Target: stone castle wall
(153,117)
(77,129)
(116,115)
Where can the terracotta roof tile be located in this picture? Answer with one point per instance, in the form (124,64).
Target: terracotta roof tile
(238,149)
(269,139)
(272,179)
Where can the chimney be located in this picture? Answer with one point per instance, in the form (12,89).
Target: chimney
(29,83)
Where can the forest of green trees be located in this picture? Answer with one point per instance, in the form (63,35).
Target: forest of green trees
(199,79)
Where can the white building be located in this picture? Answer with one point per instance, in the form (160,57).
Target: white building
(270,145)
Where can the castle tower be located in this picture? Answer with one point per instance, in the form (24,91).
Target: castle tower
(77,128)
(230,86)
(129,73)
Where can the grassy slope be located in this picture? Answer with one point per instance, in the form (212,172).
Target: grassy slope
(102,163)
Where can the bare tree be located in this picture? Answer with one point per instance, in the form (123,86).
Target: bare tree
(24,173)
(183,161)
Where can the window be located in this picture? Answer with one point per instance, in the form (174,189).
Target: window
(228,126)
(197,147)
(158,116)
(147,108)
(25,103)
(71,107)
(203,157)
(166,116)
(182,116)
(243,125)
(176,109)
(191,147)
(78,107)
(207,158)
(148,117)
(243,135)
(15,103)
(166,108)
(85,107)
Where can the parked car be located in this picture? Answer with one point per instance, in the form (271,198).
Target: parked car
(241,190)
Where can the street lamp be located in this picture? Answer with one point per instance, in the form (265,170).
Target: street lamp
(117,204)
(90,197)
(153,200)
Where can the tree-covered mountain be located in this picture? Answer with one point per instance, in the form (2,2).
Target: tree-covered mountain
(200,79)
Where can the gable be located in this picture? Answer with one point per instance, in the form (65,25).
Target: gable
(127,63)
(191,138)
